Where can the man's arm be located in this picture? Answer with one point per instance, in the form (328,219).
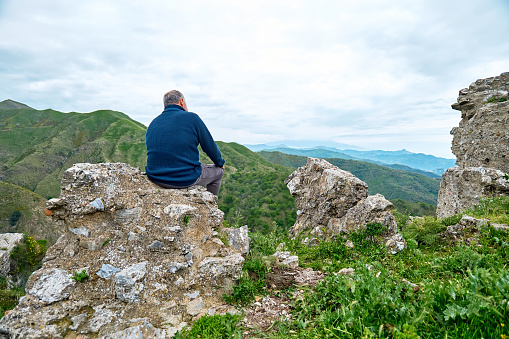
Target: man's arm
(208,144)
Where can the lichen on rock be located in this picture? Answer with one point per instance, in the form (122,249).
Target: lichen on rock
(144,249)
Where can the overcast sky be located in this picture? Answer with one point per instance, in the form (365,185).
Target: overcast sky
(377,74)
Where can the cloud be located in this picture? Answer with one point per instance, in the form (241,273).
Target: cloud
(373,73)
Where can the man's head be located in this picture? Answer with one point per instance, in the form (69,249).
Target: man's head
(174,97)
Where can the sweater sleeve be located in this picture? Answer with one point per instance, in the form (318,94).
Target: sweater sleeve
(208,144)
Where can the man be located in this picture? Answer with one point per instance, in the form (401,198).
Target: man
(172,148)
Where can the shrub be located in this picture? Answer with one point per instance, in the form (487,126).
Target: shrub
(13,219)
(424,230)
(26,257)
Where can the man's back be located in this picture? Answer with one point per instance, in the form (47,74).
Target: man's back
(172,147)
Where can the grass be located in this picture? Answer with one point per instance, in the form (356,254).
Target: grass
(213,327)
(432,289)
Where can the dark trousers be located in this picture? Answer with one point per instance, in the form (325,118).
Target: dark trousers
(211,177)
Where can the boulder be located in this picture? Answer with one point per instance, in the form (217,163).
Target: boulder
(146,253)
(331,199)
(322,191)
(462,188)
(481,146)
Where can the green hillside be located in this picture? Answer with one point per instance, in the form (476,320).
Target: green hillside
(37,146)
(393,184)
(22,211)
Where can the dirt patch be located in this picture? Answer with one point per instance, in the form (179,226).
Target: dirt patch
(280,278)
(261,315)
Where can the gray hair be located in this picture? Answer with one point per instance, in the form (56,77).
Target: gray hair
(172,97)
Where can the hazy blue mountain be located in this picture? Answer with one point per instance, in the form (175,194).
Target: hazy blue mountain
(308,144)
(414,162)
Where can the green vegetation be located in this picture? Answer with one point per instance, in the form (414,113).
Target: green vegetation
(9,298)
(414,208)
(79,276)
(25,258)
(213,327)
(432,289)
(495,98)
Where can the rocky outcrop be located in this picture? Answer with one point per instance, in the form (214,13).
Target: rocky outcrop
(7,242)
(462,188)
(336,201)
(135,260)
(481,146)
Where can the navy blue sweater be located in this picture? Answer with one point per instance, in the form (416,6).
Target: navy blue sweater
(172,147)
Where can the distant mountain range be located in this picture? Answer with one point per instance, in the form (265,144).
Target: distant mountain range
(435,166)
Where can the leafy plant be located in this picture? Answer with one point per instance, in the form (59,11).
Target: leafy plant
(424,230)
(186,220)
(79,276)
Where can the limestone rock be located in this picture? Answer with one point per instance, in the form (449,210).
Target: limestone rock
(238,238)
(482,138)
(373,209)
(462,188)
(331,199)
(144,251)
(286,259)
(481,146)
(322,191)
(7,242)
(468,229)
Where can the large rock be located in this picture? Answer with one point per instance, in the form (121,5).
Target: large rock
(329,198)
(462,188)
(148,253)
(482,138)
(322,191)
(481,146)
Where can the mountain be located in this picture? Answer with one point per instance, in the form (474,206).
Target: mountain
(327,153)
(37,146)
(393,184)
(417,161)
(10,104)
(420,161)
(303,144)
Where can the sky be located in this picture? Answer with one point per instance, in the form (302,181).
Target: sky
(376,74)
